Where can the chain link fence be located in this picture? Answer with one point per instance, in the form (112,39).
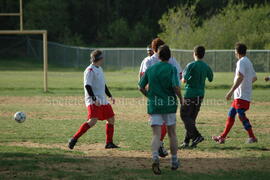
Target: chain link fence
(122,58)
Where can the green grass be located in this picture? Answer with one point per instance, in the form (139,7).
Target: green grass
(122,83)
(55,116)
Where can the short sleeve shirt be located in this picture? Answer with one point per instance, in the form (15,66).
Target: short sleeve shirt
(161,78)
(245,67)
(195,75)
(94,77)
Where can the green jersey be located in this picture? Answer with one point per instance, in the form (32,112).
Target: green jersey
(195,75)
(161,79)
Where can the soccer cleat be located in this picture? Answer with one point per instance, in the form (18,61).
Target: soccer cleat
(251,140)
(197,141)
(162,152)
(175,164)
(111,146)
(155,167)
(72,142)
(184,146)
(219,139)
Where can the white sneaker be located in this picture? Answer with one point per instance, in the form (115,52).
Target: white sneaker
(251,140)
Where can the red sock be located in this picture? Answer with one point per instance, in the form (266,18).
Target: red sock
(229,124)
(84,127)
(163,132)
(250,133)
(109,133)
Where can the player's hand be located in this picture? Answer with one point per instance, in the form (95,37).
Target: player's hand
(266,78)
(97,103)
(113,100)
(229,95)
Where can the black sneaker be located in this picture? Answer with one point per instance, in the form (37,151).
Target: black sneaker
(184,146)
(110,146)
(162,152)
(72,143)
(197,141)
(155,167)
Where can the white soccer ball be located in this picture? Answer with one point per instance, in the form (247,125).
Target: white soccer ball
(19,117)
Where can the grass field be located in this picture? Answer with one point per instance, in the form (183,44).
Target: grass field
(36,149)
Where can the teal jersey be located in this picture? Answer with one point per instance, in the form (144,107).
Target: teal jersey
(161,79)
(195,75)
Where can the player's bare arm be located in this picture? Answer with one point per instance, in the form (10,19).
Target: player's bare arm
(143,91)
(237,83)
(254,79)
(177,91)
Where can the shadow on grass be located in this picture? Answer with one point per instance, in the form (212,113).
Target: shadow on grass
(239,148)
(50,164)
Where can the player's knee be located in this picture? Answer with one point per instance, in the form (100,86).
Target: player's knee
(232,112)
(241,113)
(111,121)
(246,124)
(92,122)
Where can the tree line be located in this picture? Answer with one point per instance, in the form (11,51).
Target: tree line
(134,23)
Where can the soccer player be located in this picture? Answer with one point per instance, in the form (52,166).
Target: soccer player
(194,76)
(164,85)
(156,43)
(245,76)
(142,67)
(267,78)
(98,107)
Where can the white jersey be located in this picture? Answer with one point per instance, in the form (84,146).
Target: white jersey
(143,65)
(245,67)
(94,77)
(154,59)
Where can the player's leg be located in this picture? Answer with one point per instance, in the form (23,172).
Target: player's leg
(171,122)
(229,124)
(156,122)
(185,114)
(247,126)
(83,129)
(196,135)
(109,133)
(162,150)
(155,144)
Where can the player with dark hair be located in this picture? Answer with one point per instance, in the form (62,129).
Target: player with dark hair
(96,102)
(245,76)
(164,86)
(194,76)
(156,43)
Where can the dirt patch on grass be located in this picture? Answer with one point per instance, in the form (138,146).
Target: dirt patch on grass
(192,161)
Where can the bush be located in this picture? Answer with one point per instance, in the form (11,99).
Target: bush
(233,24)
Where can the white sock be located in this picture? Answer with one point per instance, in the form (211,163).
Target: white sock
(155,155)
(174,157)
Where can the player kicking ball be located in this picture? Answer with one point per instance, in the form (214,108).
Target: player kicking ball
(163,86)
(245,76)
(98,107)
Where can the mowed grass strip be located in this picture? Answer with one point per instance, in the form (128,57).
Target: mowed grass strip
(121,83)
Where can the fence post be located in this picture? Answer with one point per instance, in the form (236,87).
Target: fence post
(133,58)
(268,60)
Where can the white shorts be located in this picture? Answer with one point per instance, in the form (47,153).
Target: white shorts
(159,119)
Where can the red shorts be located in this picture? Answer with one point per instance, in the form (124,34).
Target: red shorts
(102,112)
(240,104)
